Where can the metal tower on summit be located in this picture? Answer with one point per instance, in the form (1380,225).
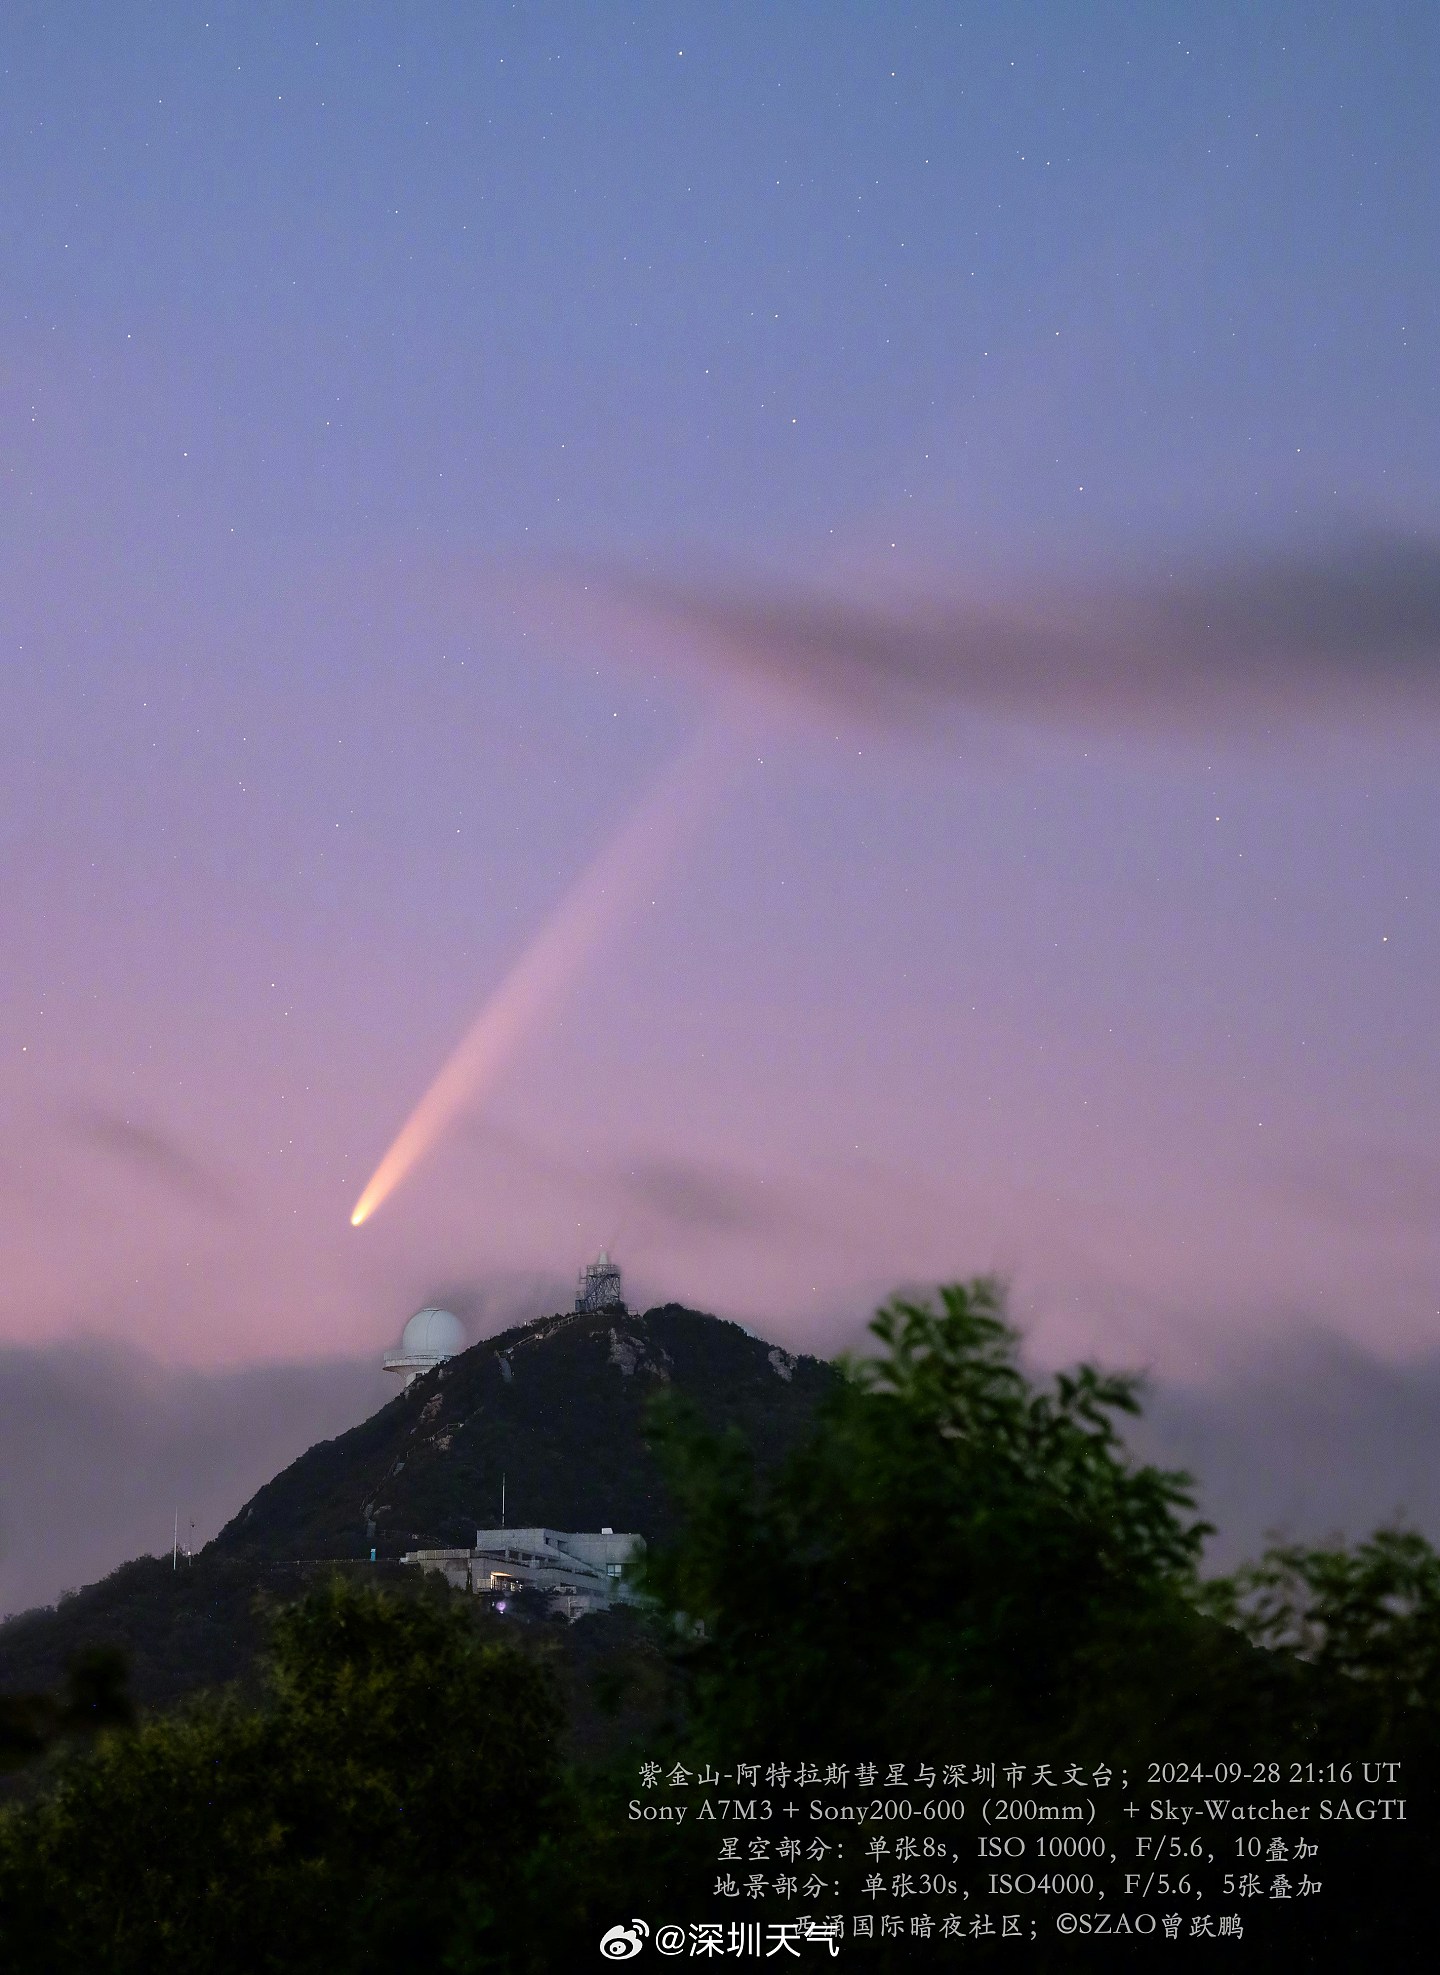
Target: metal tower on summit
(599,1286)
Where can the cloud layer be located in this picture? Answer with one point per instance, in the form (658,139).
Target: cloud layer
(100,1448)
(1310,1439)
(156,1154)
(1309,634)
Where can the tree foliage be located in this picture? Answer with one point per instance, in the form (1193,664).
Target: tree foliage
(965,1563)
(953,1553)
(95,1698)
(369,1815)
(1363,1621)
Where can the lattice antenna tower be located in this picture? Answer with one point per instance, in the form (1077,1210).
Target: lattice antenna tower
(599,1286)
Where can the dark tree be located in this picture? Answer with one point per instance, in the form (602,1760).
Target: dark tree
(953,1557)
(376,1812)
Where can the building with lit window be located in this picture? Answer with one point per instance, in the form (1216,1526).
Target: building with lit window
(581,1571)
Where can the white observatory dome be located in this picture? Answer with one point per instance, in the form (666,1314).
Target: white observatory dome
(432,1333)
(431,1336)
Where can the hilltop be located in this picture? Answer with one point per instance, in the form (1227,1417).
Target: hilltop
(556,1407)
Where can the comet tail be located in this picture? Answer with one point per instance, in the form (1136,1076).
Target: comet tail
(612,887)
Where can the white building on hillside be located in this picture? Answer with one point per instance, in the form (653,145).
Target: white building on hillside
(583,1571)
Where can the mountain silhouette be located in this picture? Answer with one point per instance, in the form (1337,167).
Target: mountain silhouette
(553,1411)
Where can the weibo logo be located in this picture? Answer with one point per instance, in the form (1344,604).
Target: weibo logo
(623,1943)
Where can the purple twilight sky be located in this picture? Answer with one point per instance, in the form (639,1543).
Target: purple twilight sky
(1015,436)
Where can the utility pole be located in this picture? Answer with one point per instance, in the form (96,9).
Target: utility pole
(502,1501)
(175,1545)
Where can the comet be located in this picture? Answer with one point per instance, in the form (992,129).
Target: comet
(606,895)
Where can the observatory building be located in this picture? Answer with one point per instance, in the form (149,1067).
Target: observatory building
(580,1571)
(431,1336)
(599,1286)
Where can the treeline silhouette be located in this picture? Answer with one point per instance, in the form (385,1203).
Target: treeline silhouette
(957,1562)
